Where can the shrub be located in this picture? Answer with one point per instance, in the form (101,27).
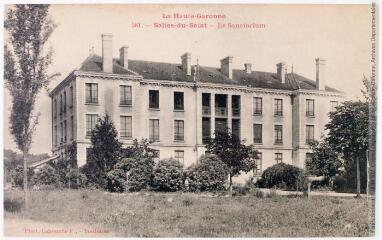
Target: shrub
(47,175)
(240,191)
(139,174)
(283,176)
(17,176)
(168,176)
(209,174)
(116,179)
(13,204)
(76,179)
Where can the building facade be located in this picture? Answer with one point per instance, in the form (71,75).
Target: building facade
(180,106)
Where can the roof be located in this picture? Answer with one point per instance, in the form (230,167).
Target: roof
(44,161)
(174,72)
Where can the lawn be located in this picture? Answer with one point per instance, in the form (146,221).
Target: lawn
(151,214)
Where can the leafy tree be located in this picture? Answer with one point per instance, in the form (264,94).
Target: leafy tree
(26,62)
(47,175)
(233,152)
(348,134)
(324,160)
(168,176)
(104,153)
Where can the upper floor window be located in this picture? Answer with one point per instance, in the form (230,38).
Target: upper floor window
(125,95)
(178,101)
(61,105)
(278,134)
(71,97)
(154,130)
(310,107)
(64,101)
(126,127)
(179,155)
(55,108)
(278,107)
(278,157)
(154,99)
(62,133)
(259,164)
(333,105)
(178,130)
(91,121)
(257,133)
(71,128)
(91,93)
(309,133)
(258,105)
(206,130)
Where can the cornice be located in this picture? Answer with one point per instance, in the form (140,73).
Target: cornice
(107,75)
(64,82)
(319,93)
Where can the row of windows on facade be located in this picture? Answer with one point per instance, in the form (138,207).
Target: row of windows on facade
(63,101)
(220,101)
(64,130)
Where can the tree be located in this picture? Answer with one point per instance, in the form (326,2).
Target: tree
(26,62)
(233,152)
(348,134)
(324,161)
(104,153)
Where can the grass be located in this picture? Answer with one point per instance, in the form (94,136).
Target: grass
(192,215)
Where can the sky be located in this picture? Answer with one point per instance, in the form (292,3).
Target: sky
(295,34)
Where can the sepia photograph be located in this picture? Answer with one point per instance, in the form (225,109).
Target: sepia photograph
(189,120)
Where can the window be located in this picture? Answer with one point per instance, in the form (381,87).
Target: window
(278,134)
(235,105)
(279,157)
(64,102)
(257,133)
(156,155)
(221,125)
(278,107)
(259,164)
(236,128)
(206,130)
(71,128)
(55,108)
(154,99)
(91,121)
(55,136)
(310,107)
(308,157)
(61,107)
(154,130)
(62,133)
(258,105)
(178,101)
(206,104)
(179,155)
(126,127)
(71,97)
(309,133)
(125,95)
(91,93)
(178,130)
(65,131)
(333,105)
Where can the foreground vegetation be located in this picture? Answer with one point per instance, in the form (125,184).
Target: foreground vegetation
(150,214)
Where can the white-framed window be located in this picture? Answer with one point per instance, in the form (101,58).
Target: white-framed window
(154,130)
(125,95)
(91,122)
(178,101)
(257,105)
(91,92)
(154,99)
(309,107)
(278,157)
(309,133)
(257,133)
(126,127)
(259,164)
(278,107)
(179,155)
(179,130)
(278,134)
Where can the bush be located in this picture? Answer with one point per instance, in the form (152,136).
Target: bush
(47,175)
(75,178)
(17,176)
(13,204)
(283,176)
(168,176)
(209,174)
(240,191)
(139,174)
(116,180)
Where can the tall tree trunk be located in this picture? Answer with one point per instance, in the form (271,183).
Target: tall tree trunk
(25,179)
(358,179)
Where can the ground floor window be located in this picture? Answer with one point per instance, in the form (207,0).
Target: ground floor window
(179,155)
(154,130)
(91,121)
(259,164)
(279,157)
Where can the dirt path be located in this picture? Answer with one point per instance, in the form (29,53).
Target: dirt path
(16,227)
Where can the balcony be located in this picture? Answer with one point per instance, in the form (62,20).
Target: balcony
(236,112)
(206,111)
(221,112)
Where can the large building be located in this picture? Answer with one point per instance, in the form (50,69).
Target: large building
(178,106)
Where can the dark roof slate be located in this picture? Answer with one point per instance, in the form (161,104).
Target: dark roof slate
(174,72)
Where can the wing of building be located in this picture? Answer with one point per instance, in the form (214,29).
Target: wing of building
(179,106)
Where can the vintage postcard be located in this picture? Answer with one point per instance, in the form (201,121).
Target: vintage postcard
(189,120)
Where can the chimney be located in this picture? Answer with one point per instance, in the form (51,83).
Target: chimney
(226,66)
(186,63)
(320,73)
(281,71)
(248,68)
(107,53)
(123,56)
